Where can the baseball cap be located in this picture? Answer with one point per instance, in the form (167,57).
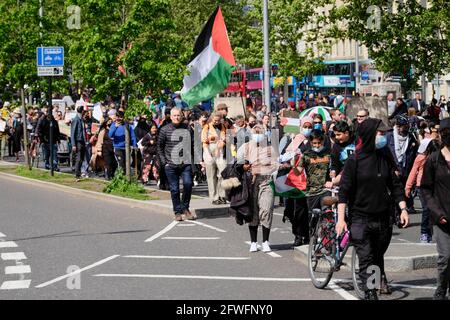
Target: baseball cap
(401,120)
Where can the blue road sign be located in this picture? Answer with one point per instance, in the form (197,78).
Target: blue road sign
(365,75)
(50,56)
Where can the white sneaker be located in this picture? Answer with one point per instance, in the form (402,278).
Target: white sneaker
(266,246)
(253,247)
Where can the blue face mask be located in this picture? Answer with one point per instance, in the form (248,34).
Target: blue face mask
(317,126)
(306,132)
(258,138)
(380,142)
(317,150)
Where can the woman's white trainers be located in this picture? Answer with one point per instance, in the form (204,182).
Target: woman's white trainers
(253,247)
(266,246)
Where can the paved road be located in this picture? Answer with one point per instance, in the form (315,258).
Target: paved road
(131,253)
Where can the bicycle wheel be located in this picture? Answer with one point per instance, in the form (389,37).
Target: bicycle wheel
(320,255)
(357,283)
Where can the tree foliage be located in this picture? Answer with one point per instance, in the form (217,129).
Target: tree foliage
(401,36)
(151,39)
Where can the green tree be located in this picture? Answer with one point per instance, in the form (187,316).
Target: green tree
(20,35)
(400,38)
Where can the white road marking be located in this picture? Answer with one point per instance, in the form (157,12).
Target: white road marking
(186,225)
(15,284)
(13,256)
(177,276)
(411,286)
(166,229)
(77,271)
(208,226)
(278,214)
(8,244)
(271,253)
(191,238)
(20,269)
(343,293)
(402,240)
(187,257)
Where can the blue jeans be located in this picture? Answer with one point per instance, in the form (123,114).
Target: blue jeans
(46,151)
(425,225)
(173,173)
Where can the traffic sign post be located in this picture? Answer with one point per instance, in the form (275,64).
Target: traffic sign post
(50,63)
(50,71)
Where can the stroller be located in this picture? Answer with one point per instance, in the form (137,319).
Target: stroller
(64,151)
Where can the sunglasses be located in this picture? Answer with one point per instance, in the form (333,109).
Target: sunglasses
(359,116)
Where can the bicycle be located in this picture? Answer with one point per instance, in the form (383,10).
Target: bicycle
(325,253)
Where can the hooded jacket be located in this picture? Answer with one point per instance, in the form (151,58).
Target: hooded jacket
(369,184)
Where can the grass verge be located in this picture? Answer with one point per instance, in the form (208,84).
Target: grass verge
(115,187)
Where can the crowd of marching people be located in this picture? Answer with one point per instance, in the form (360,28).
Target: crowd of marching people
(249,160)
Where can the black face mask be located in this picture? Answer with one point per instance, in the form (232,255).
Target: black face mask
(251,125)
(446,139)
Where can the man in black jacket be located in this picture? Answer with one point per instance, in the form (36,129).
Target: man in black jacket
(418,104)
(43,131)
(403,146)
(435,186)
(78,138)
(175,141)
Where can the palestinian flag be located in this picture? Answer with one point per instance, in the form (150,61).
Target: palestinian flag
(288,185)
(291,125)
(285,185)
(211,64)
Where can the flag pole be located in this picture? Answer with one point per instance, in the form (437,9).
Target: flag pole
(266,59)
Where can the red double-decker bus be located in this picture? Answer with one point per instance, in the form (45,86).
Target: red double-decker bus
(244,82)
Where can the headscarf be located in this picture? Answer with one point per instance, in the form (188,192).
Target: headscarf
(365,141)
(306,120)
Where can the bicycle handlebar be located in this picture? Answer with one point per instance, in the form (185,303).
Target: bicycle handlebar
(335,190)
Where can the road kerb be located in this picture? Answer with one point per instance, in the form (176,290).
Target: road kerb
(391,263)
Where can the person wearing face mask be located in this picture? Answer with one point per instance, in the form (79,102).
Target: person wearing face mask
(344,147)
(435,187)
(403,146)
(369,188)
(318,124)
(213,139)
(296,209)
(251,122)
(315,162)
(260,158)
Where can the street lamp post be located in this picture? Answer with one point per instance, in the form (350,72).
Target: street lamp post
(266,58)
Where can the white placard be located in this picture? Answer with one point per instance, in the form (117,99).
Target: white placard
(98,114)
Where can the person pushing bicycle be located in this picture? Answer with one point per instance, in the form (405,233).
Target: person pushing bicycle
(370,188)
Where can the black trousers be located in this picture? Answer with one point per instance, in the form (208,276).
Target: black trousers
(120,157)
(80,157)
(110,163)
(371,237)
(443,262)
(296,210)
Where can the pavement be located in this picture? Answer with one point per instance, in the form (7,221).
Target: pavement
(405,253)
(57,244)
